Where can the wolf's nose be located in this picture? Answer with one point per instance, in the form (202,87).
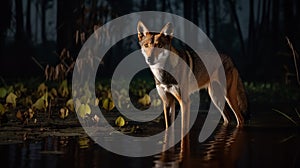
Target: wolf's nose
(150,60)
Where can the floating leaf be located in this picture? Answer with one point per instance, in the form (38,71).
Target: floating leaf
(63,113)
(146,100)
(108,104)
(120,121)
(11,99)
(70,105)
(84,110)
(3,92)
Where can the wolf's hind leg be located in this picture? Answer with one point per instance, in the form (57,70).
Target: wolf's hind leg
(232,96)
(216,93)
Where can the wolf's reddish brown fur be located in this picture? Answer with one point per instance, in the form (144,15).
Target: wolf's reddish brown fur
(158,51)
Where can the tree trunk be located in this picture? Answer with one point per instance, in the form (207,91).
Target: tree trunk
(251,31)
(216,22)
(164,6)
(19,36)
(237,22)
(288,18)
(275,22)
(66,23)
(5,17)
(195,12)
(28,20)
(43,23)
(187,9)
(207,21)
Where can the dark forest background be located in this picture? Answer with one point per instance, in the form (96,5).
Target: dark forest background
(33,33)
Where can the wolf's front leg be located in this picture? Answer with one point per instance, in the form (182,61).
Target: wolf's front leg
(185,123)
(169,106)
(185,112)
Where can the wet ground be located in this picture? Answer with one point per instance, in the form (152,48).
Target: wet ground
(268,140)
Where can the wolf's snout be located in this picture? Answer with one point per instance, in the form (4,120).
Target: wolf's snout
(150,60)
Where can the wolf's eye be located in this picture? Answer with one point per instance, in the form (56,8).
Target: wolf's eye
(159,45)
(146,45)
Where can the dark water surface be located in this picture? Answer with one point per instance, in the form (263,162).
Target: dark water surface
(252,146)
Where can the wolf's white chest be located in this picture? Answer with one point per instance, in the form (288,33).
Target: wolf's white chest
(157,74)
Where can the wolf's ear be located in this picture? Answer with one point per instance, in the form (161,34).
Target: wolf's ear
(167,29)
(141,29)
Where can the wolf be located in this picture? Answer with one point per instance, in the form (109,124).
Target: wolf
(159,52)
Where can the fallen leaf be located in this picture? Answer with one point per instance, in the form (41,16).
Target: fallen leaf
(42,89)
(96,103)
(63,113)
(108,104)
(11,99)
(84,110)
(120,122)
(70,105)
(146,100)
(3,92)
(63,88)
(41,103)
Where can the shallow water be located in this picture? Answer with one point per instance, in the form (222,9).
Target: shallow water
(255,145)
(227,147)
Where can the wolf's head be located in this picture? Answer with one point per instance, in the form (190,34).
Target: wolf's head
(155,46)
